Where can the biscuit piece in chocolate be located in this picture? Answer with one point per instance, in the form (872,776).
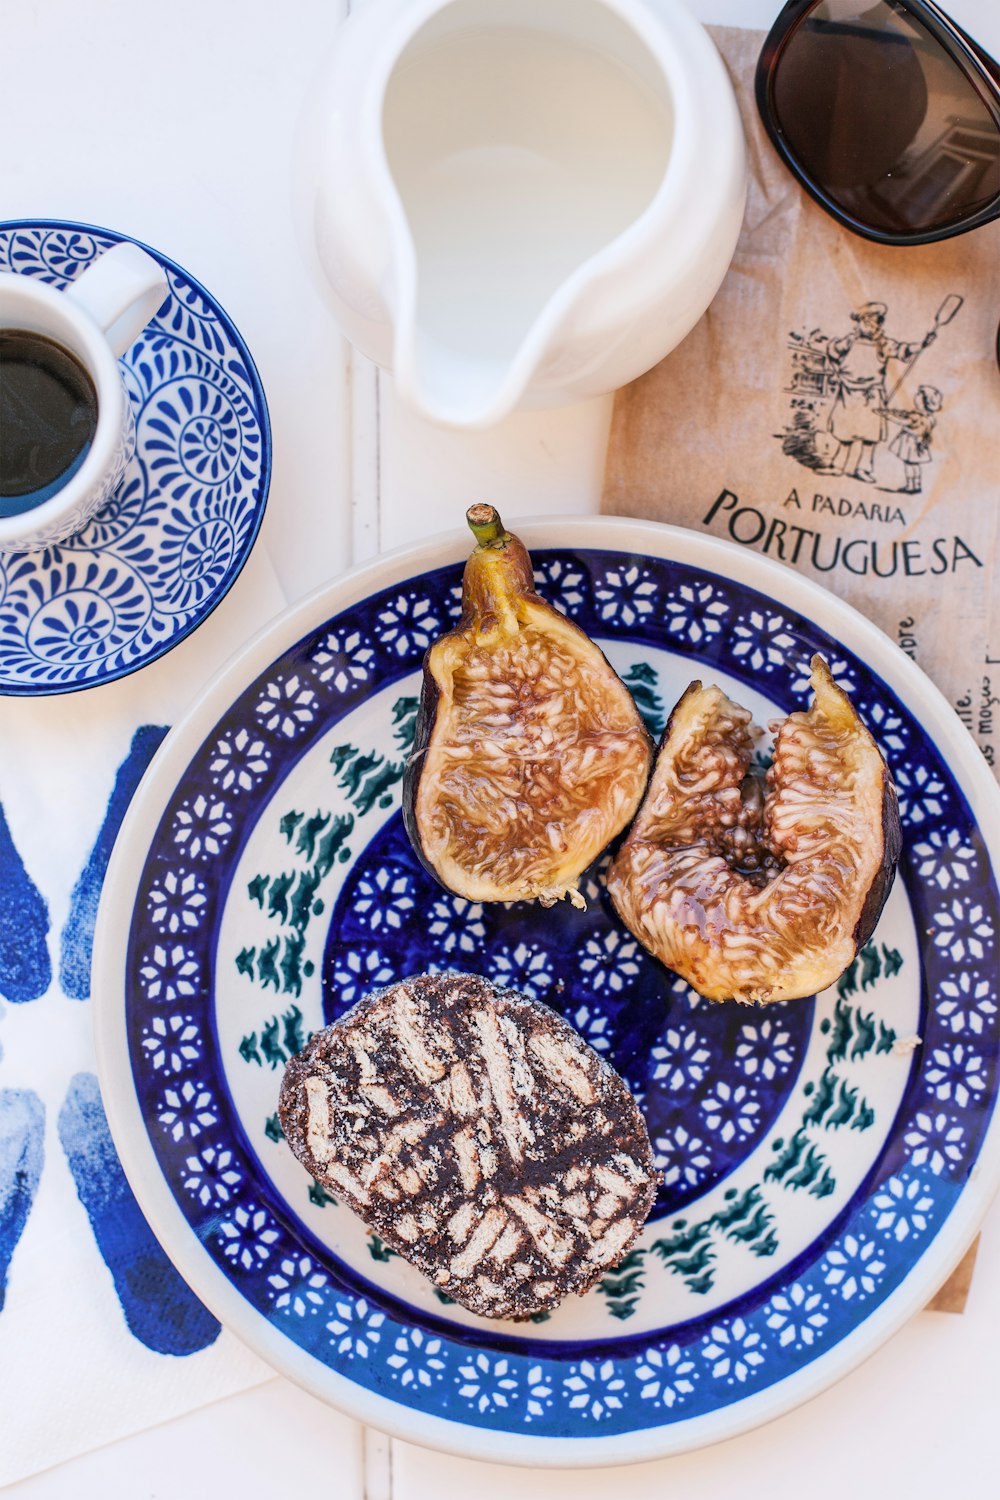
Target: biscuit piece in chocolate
(477,1134)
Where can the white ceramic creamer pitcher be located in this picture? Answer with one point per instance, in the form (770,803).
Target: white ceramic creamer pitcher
(522,202)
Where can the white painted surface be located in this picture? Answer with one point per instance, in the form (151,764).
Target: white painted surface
(176,126)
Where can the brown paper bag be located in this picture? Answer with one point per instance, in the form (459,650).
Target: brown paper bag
(838,408)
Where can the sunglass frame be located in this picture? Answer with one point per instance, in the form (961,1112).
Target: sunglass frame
(981,69)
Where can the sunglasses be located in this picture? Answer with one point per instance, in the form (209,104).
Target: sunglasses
(887,113)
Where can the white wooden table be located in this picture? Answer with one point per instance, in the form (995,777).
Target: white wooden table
(176,125)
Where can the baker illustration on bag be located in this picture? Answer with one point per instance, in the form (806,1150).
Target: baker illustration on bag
(858,364)
(841,398)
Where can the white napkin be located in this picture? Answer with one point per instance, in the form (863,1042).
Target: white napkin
(99,1337)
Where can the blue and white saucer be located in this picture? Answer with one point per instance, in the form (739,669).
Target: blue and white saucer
(824,1162)
(157,560)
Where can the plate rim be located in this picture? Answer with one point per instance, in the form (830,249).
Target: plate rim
(601,533)
(25,690)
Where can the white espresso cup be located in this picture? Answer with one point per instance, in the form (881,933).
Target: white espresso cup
(94,320)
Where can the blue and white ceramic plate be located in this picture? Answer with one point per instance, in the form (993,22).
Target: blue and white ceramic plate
(158,559)
(825,1163)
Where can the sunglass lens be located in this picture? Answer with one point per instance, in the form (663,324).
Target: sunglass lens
(883,120)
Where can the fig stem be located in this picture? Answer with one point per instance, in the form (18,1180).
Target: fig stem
(485,525)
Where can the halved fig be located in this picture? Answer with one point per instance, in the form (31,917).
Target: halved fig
(760,890)
(530,755)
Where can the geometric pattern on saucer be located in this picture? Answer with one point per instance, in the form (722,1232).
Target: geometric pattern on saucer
(346,908)
(150,566)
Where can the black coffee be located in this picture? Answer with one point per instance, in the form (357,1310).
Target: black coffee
(48,415)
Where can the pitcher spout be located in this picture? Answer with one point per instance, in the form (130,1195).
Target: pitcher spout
(448,386)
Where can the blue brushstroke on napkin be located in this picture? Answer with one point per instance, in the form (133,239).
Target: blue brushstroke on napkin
(25,966)
(160,1310)
(78,933)
(22,1129)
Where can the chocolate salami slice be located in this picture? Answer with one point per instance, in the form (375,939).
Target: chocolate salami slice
(478,1135)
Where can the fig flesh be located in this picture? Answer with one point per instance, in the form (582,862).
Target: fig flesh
(758,895)
(530,755)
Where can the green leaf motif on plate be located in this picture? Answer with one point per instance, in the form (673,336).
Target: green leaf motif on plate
(642,682)
(318,841)
(623,1285)
(319,1195)
(366,779)
(872,967)
(404,719)
(280,1038)
(379,1251)
(801,1164)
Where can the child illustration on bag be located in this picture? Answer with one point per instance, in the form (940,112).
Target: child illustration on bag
(912,445)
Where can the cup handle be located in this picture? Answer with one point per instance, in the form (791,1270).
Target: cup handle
(121,291)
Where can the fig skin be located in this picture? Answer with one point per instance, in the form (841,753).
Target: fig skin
(529,753)
(755,898)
